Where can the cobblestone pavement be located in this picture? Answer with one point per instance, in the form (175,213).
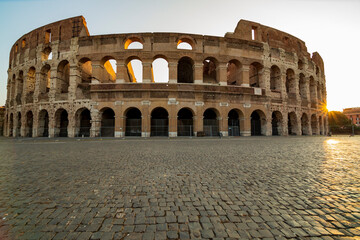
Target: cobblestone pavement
(230,188)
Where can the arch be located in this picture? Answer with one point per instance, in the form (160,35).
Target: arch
(185,123)
(82,122)
(304,124)
(185,72)
(134,68)
(11,125)
(45,76)
(134,43)
(160,70)
(255,75)
(43,123)
(19,87)
(29,124)
(290,83)
(234,76)
(133,122)
(211,122)
(300,65)
(107,122)
(258,123)
(302,86)
(234,116)
(276,123)
(185,43)
(319,96)
(46,54)
(61,123)
(210,65)
(314,124)
(275,78)
(108,73)
(18,126)
(63,80)
(292,124)
(85,67)
(159,122)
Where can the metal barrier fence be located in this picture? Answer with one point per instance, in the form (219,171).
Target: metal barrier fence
(159,127)
(133,127)
(211,127)
(234,127)
(83,132)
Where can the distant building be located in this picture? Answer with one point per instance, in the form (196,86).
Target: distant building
(2,117)
(353,114)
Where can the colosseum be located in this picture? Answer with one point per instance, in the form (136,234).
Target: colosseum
(257,80)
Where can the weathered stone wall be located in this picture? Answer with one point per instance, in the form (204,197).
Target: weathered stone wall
(255,84)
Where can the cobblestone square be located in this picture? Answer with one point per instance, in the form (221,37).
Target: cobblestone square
(199,188)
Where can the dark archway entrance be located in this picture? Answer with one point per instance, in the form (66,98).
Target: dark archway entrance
(185,123)
(11,125)
(62,123)
(133,123)
(292,124)
(185,70)
(29,124)
(18,126)
(304,125)
(255,124)
(159,122)
(211,123)
(107,123)
(233,123)
(43,130)
(276,123)
(84,123)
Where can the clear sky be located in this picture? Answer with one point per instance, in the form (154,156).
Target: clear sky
(330,27)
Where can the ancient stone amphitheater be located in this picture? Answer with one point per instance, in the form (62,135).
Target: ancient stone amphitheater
(254,81)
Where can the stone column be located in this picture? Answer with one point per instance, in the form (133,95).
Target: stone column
(74,80)
(147,72)
(297,87)
(198,73)
(95,122)
(283,85)
(247,127)
(265,80)
(145,122)
(37,86)
(298,125)
(121,71)
(53,83)
(268,126)
(221,74)
(35,124)
(71,125)
(172,72)
(284,125)
(97,68)
(245,76)
(119,125)
(223,126)
(23,125)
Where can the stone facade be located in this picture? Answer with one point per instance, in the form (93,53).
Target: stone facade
(2,117)
(254,81)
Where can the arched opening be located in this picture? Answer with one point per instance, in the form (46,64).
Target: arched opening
(255,74)
(30,85)
(133,43)
(43,125)
(18,126)
(185,125)
(29,124)
(160,70)
(134,70)
(276,123)
(83,87)
(258,123)
(210,70)
(321,126)
(304,125)
(44,86)
(319,96)
(108,73)
(19,88)
(275,78)
(185,73)
(290,83)
(234,72)
(302,86)
(61,123)
(159,122)
(133,122)
(211,123)
(46,54)
(314,124)
(300,65)
(63,80)
(107,123)
(13,81)
(233,123)
(292,124)
(11,125)
(83,123)
(185,44)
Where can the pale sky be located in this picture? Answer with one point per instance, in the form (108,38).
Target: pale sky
(330,27)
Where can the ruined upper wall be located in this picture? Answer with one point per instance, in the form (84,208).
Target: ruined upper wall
(58,31)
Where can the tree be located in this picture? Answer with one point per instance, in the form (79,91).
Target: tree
(338,119)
